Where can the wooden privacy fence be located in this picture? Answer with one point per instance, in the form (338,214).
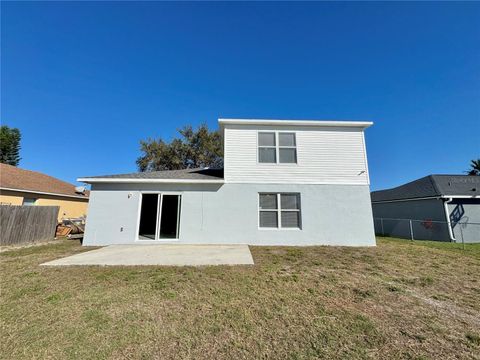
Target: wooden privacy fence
(27,224)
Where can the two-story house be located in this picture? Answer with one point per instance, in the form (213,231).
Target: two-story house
(283,183)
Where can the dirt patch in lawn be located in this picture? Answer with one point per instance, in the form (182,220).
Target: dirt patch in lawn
(398,300)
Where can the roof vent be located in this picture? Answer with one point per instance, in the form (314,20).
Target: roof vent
(80,189)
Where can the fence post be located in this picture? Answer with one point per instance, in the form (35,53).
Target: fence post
(461,232)
(411,229)
(383,231)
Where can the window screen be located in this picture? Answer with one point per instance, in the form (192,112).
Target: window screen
(279,210)
(287,150)
(290,201)
(290,219)
(288,155)
(268,219)
(277,147)
(267,150)
(290,210)
(286,139)
(266,139)
(267,155)
(268,201)
(268,210)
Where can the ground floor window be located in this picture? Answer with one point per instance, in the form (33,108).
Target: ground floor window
(159,216)
(279,210)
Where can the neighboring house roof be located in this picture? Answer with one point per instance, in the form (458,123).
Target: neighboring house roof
(16,179)
(182,176)
(432,186)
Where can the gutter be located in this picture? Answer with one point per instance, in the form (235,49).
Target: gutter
(410,199)
(460,197)
(148,181)
(449,223)
(451,197)
(45,193)
(334,123)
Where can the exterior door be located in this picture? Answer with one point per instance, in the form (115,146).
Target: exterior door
(159,216)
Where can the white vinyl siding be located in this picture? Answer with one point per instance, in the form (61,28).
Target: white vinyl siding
(324,155)
(279,210)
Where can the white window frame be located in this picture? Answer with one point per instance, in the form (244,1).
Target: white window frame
(279,210)
(277,147)
(267,147)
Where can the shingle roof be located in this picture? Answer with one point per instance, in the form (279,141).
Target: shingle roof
(185,174)
(431,186)
(12,177)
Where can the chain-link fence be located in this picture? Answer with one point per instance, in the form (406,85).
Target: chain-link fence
(462,231)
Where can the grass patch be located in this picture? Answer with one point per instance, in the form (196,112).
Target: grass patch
(466,249)
(473,338)
(400,299)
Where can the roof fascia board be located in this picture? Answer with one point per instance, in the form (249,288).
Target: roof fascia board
(45,193)
(460,196)
(430,197)
(409,199)
(318,123)
(148,181)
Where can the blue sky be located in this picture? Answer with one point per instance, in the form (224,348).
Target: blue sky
(85,82)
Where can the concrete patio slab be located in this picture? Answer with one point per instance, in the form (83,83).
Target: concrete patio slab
(160,254)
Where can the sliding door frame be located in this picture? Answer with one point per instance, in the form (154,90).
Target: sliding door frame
(159,216)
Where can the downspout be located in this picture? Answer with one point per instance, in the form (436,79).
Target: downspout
(449,223)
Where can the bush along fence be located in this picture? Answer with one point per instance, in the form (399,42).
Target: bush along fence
(414,229)
(27,224)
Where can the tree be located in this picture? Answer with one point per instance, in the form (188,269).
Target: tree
(10,145)
(193,149)
(475,168)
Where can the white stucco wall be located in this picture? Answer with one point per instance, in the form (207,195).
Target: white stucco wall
(331,214)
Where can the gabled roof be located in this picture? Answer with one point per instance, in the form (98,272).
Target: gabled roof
(14,178)
(432,186)
(205,175)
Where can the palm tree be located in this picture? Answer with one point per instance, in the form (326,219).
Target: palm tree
(475,168)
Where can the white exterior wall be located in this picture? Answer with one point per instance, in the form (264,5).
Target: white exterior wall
(325,155)
(331,176)
(228,214)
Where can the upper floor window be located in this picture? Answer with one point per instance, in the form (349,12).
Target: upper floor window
(277,147)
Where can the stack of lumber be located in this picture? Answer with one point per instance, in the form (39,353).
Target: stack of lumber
(71,228)
(63,231)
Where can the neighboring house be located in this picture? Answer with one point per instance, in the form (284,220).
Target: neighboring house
(283,183)
(25,187)
(442,207)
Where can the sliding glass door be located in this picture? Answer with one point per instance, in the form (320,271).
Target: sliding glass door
(148,217)
(159,216)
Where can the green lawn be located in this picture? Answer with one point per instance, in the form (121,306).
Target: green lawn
(405,300)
